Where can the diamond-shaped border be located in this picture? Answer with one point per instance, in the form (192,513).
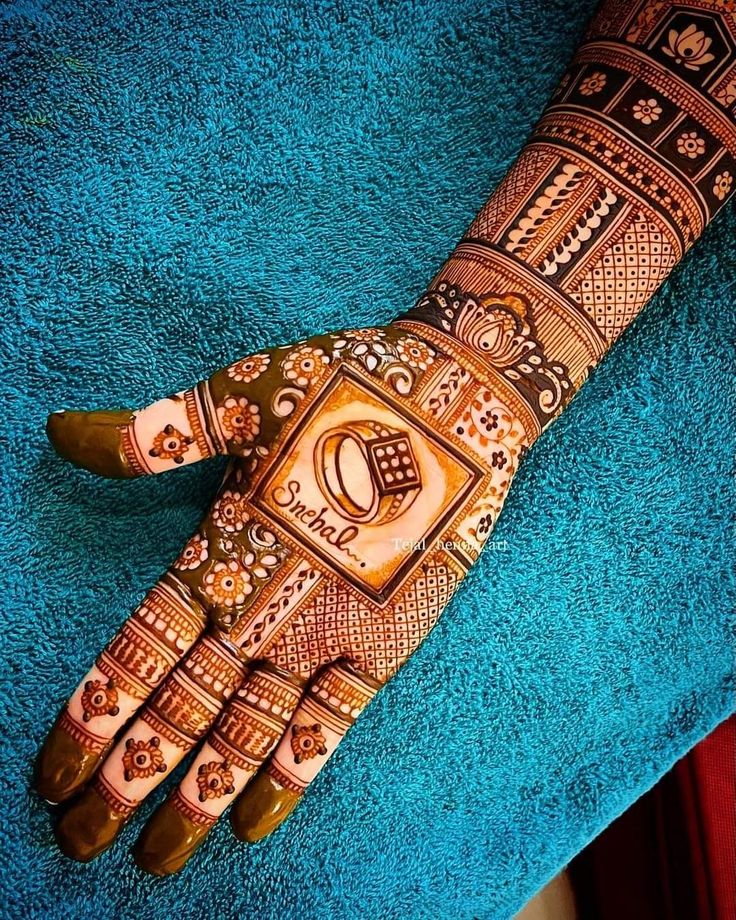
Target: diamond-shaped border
(476,476)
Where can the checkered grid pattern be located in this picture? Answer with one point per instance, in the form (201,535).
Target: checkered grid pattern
(338,623)
(615,289)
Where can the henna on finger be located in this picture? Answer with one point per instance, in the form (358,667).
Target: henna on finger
(184,428)
(332,703)
(168,727)
(243,737)
(156,636)
(121,445)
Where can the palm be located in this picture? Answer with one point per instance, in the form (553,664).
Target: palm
(368,469)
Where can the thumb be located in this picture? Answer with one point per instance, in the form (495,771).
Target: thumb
(217,416)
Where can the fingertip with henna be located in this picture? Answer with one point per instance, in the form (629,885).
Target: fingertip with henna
(88,828)
(91,440)
(62,767)
(168,841)
(261,808)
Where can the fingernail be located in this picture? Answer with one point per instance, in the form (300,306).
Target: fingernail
(88,828)
(261,808)
(91,440)
(168,841)
(63,766)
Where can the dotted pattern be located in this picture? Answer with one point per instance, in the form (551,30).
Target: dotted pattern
(626,276)
(393,463)
(337,623)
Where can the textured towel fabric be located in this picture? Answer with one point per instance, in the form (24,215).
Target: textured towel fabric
(184,182)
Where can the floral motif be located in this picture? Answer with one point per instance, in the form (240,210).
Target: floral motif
(499,459)
(723,184)
(304,364)
(359,335)
(228,584)
(239,419)
(365,345)
(593,83)
(486,424)
(485,526)
(260,570)
(489,420)
(249,369)
(307,741)
(497,327)
(647,111)
(689,47)
(171,444)
(193,554)
(215,779)
(690,145)
(230,512)
(143,759)
(99,699)
(414,352)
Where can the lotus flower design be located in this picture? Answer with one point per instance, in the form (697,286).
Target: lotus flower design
(689,47)
(496,327)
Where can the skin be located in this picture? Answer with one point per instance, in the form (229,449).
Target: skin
(369,466)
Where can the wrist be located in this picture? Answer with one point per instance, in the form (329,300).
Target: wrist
(499,334)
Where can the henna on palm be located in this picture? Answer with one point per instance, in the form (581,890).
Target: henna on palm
(369,466)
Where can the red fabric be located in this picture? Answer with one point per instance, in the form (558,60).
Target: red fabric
(709,771)
(672,855)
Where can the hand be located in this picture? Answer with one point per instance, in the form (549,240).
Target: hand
(320,568)
(369,467)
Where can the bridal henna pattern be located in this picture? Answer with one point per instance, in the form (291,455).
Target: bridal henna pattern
(369,466)
(325,559)
(633,157)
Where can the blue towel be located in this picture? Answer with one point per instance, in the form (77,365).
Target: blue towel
(184,182)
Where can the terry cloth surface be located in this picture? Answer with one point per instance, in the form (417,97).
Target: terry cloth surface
(186,182)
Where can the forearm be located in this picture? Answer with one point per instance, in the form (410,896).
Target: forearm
(631,159)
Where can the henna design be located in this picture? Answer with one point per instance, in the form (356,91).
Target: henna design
(304,561)
(99,699)
(304,365)
(633,157)
(193,554)
(228,584)
(215,779)
(243,737)
(333,701)
(371,465)
(171,444)
(249,369)
(240,420)
(307,741)
(143,759)
(414,352)
(135,662)
(230,512)
(500,330)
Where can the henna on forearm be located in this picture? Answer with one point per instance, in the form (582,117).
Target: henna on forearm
(369,466)
(633,156)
